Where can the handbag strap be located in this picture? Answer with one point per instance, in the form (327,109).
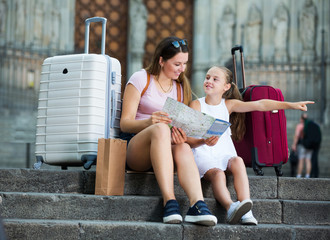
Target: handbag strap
(147,85)
(178,88)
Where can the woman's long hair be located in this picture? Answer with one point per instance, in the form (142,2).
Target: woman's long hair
(237,120)
(166,50)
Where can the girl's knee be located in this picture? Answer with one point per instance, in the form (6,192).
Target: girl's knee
(215,174)
(236,164)
(237,161)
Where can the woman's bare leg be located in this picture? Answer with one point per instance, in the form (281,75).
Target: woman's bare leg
(152,148)
(187,170)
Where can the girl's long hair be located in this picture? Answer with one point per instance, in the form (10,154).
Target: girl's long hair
(237,120)
(166,50)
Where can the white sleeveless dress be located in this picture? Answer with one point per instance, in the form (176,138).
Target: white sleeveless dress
(217,156)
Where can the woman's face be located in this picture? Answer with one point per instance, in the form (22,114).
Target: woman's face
(174,66)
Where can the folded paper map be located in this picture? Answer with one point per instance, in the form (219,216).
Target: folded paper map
(192,122)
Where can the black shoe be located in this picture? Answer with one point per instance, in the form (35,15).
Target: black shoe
(172,212)
(200,214)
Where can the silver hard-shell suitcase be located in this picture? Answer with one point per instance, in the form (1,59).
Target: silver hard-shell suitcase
(79,102)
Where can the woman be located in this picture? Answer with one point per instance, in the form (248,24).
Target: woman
(151,143)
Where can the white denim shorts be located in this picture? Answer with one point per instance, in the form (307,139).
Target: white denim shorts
(304,153)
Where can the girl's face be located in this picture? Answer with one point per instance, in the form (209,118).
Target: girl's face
(173,67)
(215,82)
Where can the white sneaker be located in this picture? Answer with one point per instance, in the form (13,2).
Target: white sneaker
(249,219)
(237,210)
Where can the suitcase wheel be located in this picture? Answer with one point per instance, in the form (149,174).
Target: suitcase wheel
(40,161)
(88,160)
(278,170)
(258,171)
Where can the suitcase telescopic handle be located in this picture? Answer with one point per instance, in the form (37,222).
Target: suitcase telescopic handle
(87,24)
(233,50)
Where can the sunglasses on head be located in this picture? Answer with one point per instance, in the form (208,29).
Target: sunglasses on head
(179,43)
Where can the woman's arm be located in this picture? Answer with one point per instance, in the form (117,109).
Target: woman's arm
(130,105)
(235,105)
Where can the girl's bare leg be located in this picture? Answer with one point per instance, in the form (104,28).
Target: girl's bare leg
(241,182)
(221,193)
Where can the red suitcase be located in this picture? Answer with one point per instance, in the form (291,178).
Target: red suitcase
(265,141)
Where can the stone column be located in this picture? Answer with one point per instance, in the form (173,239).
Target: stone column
(225,34)
(253,33)
(281,30)
(20,22)
(307,30)
(203,43)
(3,21)
(138,16)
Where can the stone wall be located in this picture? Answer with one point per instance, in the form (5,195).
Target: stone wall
(279,34)
(275,38)
(30,31)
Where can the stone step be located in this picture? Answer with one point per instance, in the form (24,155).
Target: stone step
(80,229)
(149,208)
(57,204)
(59,181)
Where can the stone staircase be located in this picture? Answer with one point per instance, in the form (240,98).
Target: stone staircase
(56,204)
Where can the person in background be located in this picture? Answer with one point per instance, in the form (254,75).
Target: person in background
(312,142)
(304,155)
(151,143)
(215,156)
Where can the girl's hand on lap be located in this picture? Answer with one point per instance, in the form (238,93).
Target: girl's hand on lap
(211,141)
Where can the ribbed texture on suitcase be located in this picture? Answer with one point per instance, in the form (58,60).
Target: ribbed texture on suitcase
(77,94)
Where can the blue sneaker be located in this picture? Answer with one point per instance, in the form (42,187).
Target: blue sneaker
(200,214)
(172,212)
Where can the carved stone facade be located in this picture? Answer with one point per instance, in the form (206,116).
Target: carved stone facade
(282,42)
(137,32)
(40,24)
(280,23)
(29,32)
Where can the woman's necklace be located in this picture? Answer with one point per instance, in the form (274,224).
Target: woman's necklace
(169,89)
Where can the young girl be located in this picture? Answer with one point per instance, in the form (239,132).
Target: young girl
(214,156)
